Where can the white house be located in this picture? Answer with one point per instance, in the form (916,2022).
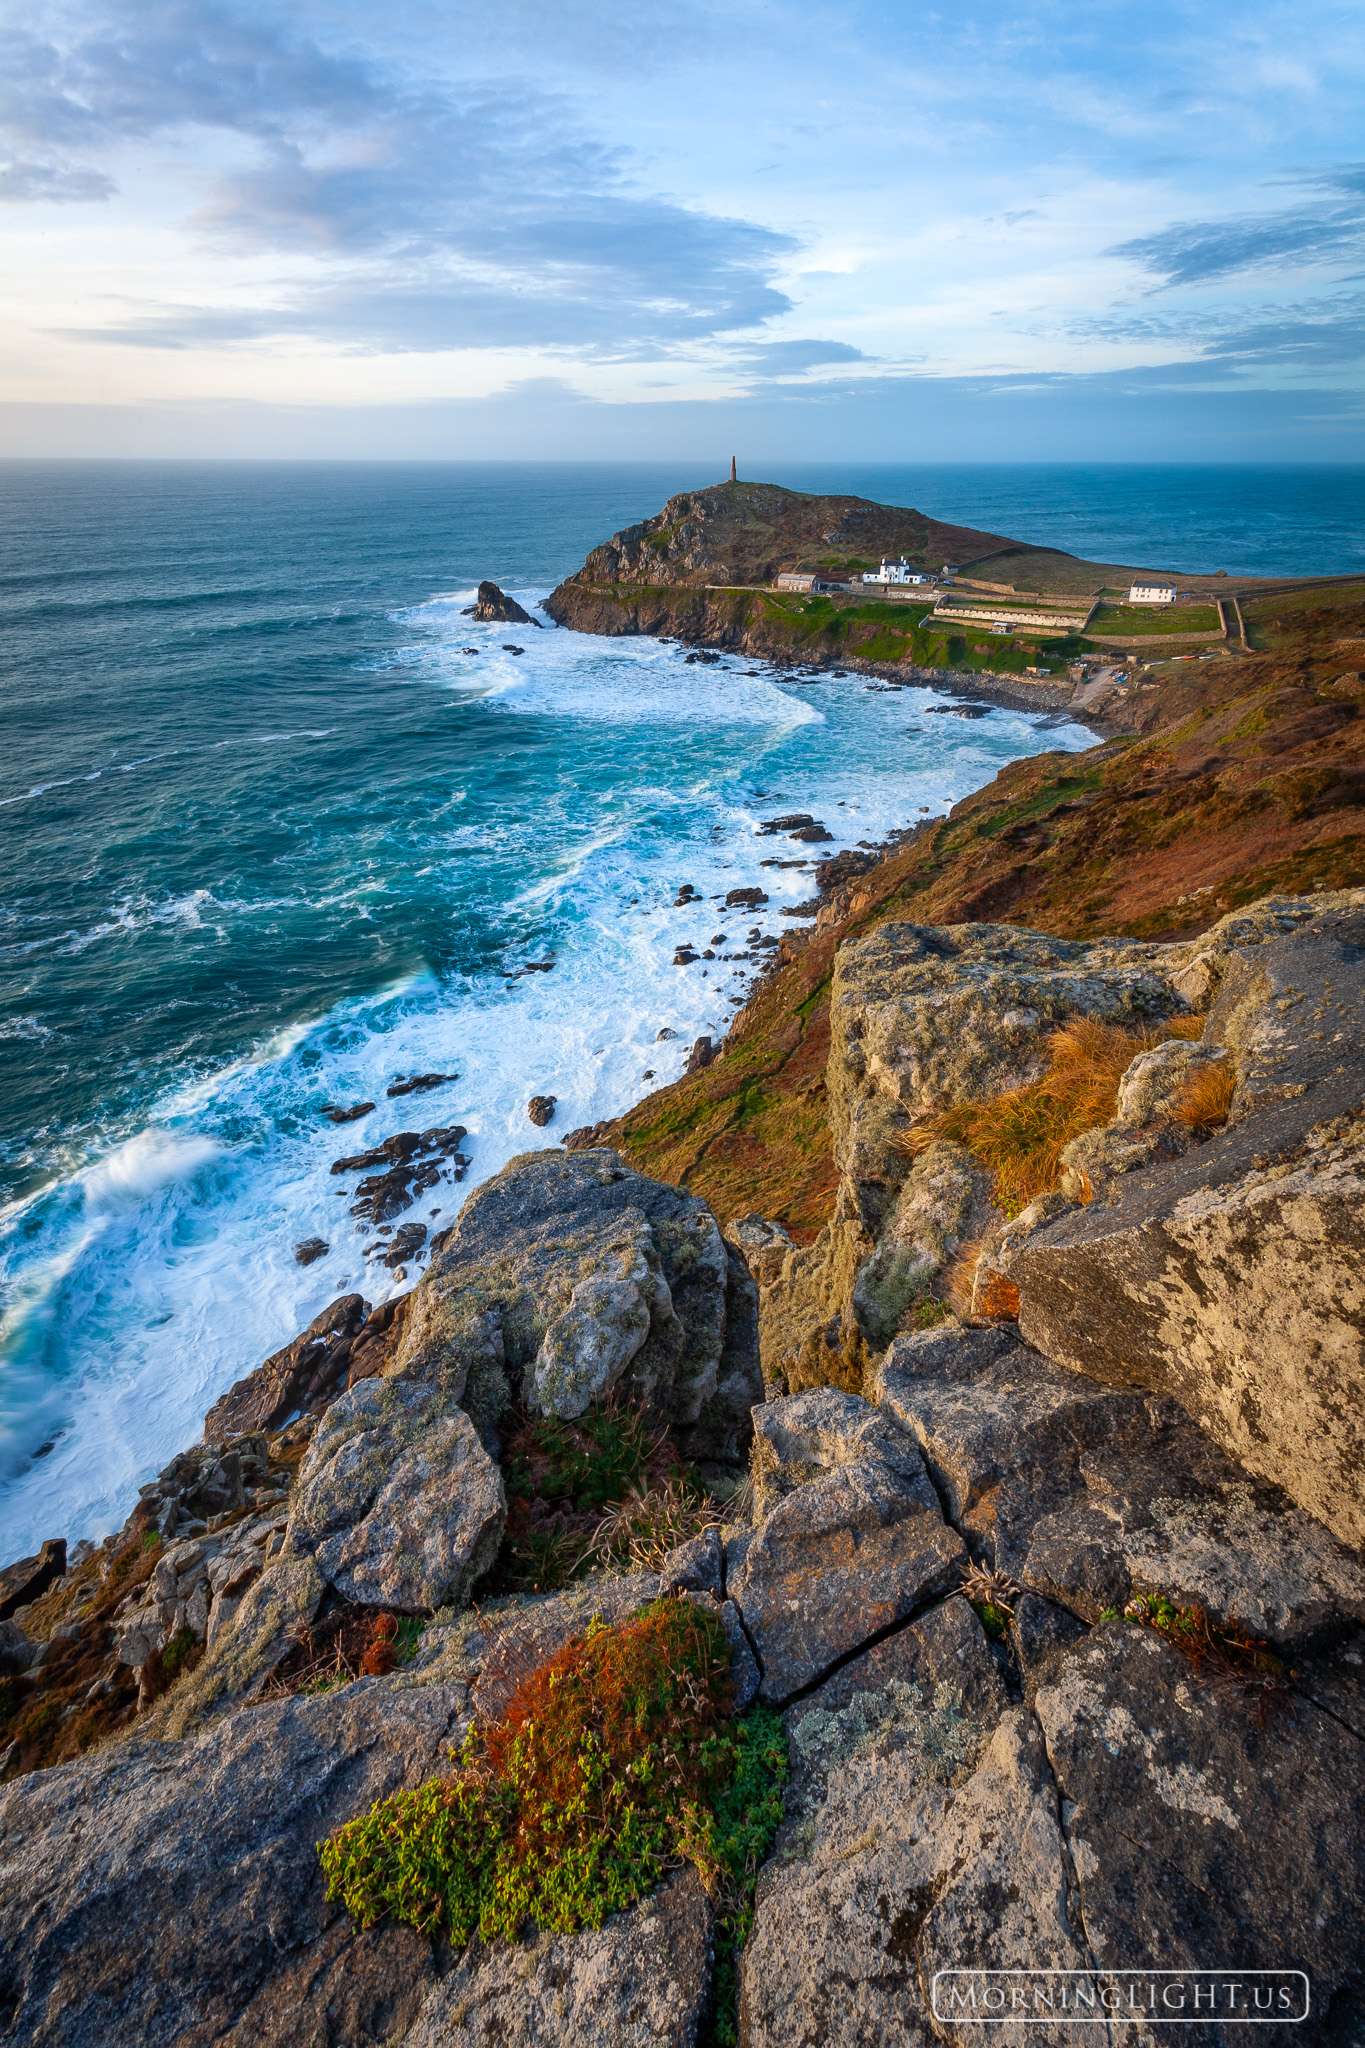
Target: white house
(1152,593)
(893,572)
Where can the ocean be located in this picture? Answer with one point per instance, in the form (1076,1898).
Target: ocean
(280,825)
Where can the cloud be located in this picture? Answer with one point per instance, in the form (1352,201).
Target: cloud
(1203,252)
(52,182)
(790,358)
(1311,337)
(479,219)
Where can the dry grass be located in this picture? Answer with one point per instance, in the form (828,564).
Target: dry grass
(1019,1136)
(1206,1098)
(642,1529)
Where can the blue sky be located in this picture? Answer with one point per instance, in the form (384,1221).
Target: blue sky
(865,231)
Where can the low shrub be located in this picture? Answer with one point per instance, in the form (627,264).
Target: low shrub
(604,1489)
(1224,1654)
(612,1763)
(641,1530)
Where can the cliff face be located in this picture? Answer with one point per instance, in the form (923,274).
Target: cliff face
(749,533)
(1059,1599)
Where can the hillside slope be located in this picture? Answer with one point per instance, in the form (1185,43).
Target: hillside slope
(1234,780)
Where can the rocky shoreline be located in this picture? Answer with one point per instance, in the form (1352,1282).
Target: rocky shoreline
(973,1345)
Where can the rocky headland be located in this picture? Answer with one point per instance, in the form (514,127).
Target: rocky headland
(939,1415)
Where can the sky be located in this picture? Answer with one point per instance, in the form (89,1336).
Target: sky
(547,228)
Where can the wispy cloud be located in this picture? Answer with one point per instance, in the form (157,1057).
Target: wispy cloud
(1204,252)
(494,221)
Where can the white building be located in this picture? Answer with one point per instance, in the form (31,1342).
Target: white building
(893,572)
(1152,593)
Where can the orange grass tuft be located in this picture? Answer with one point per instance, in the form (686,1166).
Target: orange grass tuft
(1020,1135)
(1206,1098)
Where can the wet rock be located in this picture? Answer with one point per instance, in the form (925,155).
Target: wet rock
(508,648)
(852,1547)
(541,1108)
(1195,1832)
(414,1160)
(495,607)
(28,1578)
(747,899)
(684,956)
(346,1116)
(482,1319)
(406,1243)
(310,1250)
(169,1893)
(810,909)
(418,1084)
(268,1396)
(842,868)
(794,821)
(642,1978)
(813,835)
(397,1501)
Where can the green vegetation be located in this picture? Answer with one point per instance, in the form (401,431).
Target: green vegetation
(1144,619)
(1224,1654)
(604,1490)
(612,1763)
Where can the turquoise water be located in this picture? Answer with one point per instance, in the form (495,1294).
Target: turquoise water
(270,839)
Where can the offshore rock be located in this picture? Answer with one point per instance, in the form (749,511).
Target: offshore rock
(398,1503)
(495,607)
(170,1894)
(855,1542)
(568,1275)
(639,1981)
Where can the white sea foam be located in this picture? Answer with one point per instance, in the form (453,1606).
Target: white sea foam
(161,1269)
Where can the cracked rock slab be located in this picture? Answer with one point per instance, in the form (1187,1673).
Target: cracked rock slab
(1231,1279)
(169,1893)
(848,1551)
(922,1831)
(1197,1834)
(639,1981)
(1090,1494)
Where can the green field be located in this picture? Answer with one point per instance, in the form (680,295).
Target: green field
(1151,618)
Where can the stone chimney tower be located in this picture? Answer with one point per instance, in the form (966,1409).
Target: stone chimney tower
(733,478)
